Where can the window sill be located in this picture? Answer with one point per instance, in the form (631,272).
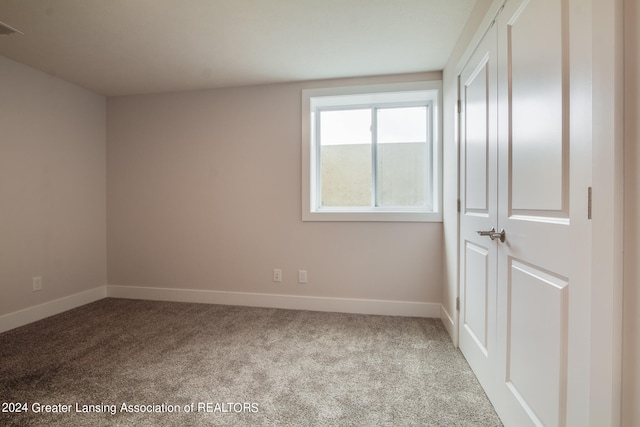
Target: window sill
(380,216)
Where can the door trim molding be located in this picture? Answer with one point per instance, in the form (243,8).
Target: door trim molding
(607,209)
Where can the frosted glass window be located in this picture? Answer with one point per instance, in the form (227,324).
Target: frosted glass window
(345,158)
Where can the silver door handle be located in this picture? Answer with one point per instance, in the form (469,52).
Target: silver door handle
(493,234)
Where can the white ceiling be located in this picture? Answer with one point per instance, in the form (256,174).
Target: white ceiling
(120,47)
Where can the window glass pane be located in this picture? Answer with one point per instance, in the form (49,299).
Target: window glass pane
(402,157)
(407,124)
(345,158)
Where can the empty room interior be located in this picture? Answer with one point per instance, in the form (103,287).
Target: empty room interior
(296,212)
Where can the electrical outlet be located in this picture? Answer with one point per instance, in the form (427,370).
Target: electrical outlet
(302,276)
(277,275)
(37,283)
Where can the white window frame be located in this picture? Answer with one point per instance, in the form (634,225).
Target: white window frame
(402,93)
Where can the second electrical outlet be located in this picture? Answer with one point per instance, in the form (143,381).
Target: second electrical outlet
(277,275)
(302,276)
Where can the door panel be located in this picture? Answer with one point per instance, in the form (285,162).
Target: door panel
(476,142)
(475,315)
(537,262)
(478,180)
(534,62)
(538,335)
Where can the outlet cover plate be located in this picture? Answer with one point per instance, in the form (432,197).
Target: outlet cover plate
(37,283)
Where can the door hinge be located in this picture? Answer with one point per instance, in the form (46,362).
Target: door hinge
(458,205)
(459,106)
(458,303)
(589,200)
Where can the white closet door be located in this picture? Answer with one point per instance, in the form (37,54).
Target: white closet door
(542,305)
(525,169)
(478,209)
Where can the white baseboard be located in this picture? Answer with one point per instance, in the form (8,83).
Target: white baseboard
(38,312)
(292,302)
(449,324)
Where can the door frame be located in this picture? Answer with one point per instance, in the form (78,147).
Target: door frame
(604,69)
(607,211)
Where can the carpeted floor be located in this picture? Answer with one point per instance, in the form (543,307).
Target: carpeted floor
(130,362)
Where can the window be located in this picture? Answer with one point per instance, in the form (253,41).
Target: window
(372,153)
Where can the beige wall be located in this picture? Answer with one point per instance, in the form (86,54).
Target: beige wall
(631,328)
(52,187)
(204,192)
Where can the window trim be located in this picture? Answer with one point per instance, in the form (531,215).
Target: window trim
(369,94)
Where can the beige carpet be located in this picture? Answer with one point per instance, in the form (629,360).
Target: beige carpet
(129,362)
